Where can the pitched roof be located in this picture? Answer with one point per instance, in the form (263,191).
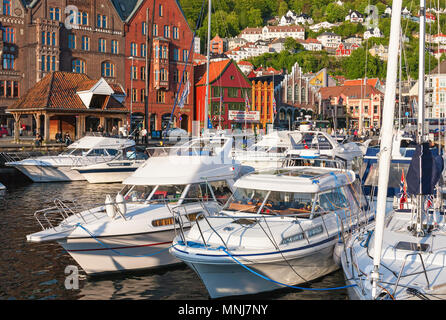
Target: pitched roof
(58,90)
(353,92)
(358,82)
(215,70)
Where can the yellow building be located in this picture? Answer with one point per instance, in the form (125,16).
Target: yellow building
(262,100)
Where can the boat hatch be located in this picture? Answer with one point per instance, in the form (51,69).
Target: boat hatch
(412,246)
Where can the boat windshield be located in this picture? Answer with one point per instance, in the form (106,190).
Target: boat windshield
(311,140)
(75,152)
(274,202)
(269,149)
(138,193)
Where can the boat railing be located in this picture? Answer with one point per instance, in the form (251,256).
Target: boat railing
(400,274)
(293,161)
(50,218)
(184,211)
(355,267)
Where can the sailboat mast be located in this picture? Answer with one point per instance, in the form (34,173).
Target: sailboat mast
(206,102)
(421,62)
(386,138)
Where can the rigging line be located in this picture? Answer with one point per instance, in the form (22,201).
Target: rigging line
(280,251)
(283,284)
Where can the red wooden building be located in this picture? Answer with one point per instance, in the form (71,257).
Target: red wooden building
(227,84)
(170,39)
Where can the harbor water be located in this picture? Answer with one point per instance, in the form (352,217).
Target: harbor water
(31,271)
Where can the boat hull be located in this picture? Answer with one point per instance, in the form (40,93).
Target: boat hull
(106,176)
(231,279)
(121,253)
(38,173)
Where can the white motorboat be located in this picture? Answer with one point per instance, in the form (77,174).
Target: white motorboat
(2,186)
(83,152)
(134,231)
(307,141)
(278,229)
(268,152)
(113,171)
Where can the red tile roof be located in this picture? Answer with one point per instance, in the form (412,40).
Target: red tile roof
(358,82)
(215,70)
(351,91)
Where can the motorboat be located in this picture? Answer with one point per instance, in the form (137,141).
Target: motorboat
(113,171)
(134,230)
(278,229)
(86,151)
(269,151)
(309,141)
(2,186)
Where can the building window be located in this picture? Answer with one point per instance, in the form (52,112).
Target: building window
(114,47)
(53,39)
(8,34)
(78,66)
(134,95)
(83,17)
(143,73)
(71,41)
(161,10)
(108,69)
(53,63)
(55,14)
(8,61)
(163,74)
(85,43)
(166,31)
(175,33)
(133,49)
(176,54)
(155,30)
(144,28)
(143,95)
(176,77)
(7,7)
(134,73)
(185,55)
(232,92)
(164,49)
(160,96)
(143,50)
(101,21)
(102,45)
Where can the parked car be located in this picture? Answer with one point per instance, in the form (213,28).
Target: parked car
(3,132)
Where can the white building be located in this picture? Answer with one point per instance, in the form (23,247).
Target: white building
(291,18)
(311,44)
(322,25)
(273,32)
(355,16)
(353,40)
(375,32)
(236,42)
(329,40)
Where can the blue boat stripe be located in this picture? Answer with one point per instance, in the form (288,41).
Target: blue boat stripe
(106,170)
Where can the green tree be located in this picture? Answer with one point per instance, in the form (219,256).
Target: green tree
(335,12)
(283,8)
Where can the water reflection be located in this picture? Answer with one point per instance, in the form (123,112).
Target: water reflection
(37,271)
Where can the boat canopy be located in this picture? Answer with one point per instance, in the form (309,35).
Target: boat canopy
(296,179)
(91,142)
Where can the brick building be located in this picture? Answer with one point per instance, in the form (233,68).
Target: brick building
(171,44)
(43,36)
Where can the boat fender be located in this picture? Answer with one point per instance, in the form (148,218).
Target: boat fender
(120,202)
(109,207)
(337,252)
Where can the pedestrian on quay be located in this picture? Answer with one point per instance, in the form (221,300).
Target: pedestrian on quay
(136,136)
(144,136)
(114,131)
(67,139)
(38,140)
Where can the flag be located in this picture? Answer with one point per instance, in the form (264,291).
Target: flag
(184,95)
(274,106)
(246,102)
(403,189)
